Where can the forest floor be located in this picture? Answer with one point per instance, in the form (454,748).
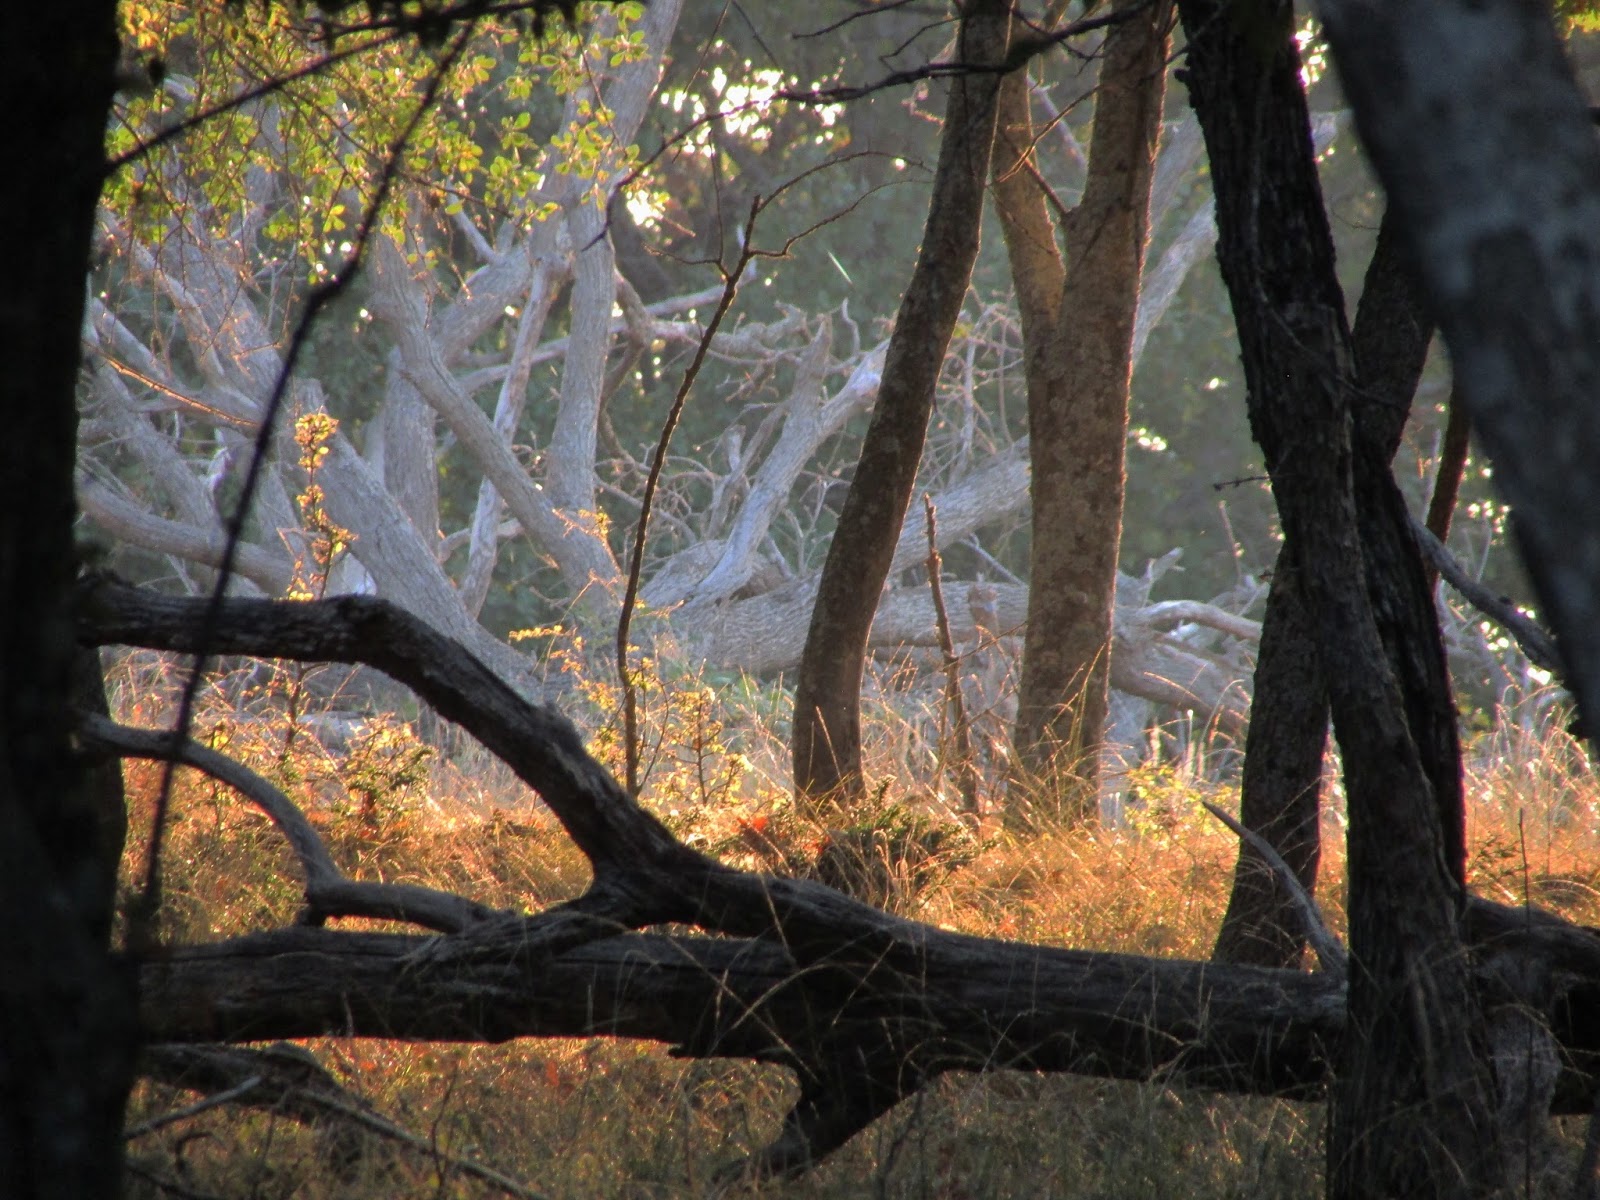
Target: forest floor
(602,1118)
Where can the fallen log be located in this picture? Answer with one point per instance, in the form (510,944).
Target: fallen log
(865,1007)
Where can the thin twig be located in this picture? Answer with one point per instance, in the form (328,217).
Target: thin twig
(630,690)
(732,279)
(192,1110)
(1535,641)
(395,1133)
(328,891)
(176,130)
(290,1082)
(960,727)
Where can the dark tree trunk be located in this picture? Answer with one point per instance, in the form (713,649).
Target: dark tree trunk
(66,1012)
(1280,795)
(1390,342)
(827,700)
(1447,478)
(1411,1110)
(1498,188)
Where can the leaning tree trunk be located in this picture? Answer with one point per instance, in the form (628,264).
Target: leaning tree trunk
(1280,792)
(1411,1110)
(66,1010)
(1078,422)
(827,700)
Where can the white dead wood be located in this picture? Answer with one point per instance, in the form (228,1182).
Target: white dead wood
(737,567)
(132,523)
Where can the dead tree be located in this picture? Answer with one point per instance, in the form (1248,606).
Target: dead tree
(863,1006)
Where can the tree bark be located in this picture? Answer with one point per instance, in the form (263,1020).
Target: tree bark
(986,1005)
(1498,186)
(1280,793)
(1078,425)
(1411,1112)
(827,702)
(66,1008)
(863,1006)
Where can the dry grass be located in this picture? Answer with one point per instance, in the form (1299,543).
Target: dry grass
(608,1119)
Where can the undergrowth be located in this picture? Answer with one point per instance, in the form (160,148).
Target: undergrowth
(604,1118)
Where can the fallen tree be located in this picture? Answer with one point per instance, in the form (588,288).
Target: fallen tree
(864,1006)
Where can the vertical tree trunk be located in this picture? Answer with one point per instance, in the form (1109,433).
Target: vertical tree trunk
(1411,1111)
(66,1011)
(1078,357)
(827,702)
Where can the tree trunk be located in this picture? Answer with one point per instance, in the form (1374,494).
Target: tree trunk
(1281,790)
(865,1007)
(1078,425)
(827,702)
(1498,186)
(1411,1111)
(66,1010)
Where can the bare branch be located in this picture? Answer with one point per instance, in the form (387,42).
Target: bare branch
(129,523)
(1330,953)
(630,690)
(328,892)
(955,706)
(287,1080)
(1535,642)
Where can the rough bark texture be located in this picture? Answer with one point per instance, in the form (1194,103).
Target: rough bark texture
(1411,1112)
(1078,424)
(65,1008)
(863,1006)
(986,1005)
(1281,789)
(1498,186)
(1037,272)
(827,702)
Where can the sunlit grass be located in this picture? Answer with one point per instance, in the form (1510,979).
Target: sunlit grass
(592,1118)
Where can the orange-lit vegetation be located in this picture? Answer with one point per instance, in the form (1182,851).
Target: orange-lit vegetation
(608,1118)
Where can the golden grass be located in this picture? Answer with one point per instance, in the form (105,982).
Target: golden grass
(600,1118)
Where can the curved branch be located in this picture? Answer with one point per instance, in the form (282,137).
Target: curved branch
(862,1005)
(328,891)
(1330,954)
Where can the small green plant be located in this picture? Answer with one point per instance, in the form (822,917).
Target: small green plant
(385,770)
(892,851)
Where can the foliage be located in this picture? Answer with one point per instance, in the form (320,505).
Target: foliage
(319,138)
(329,540)
(283,177)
